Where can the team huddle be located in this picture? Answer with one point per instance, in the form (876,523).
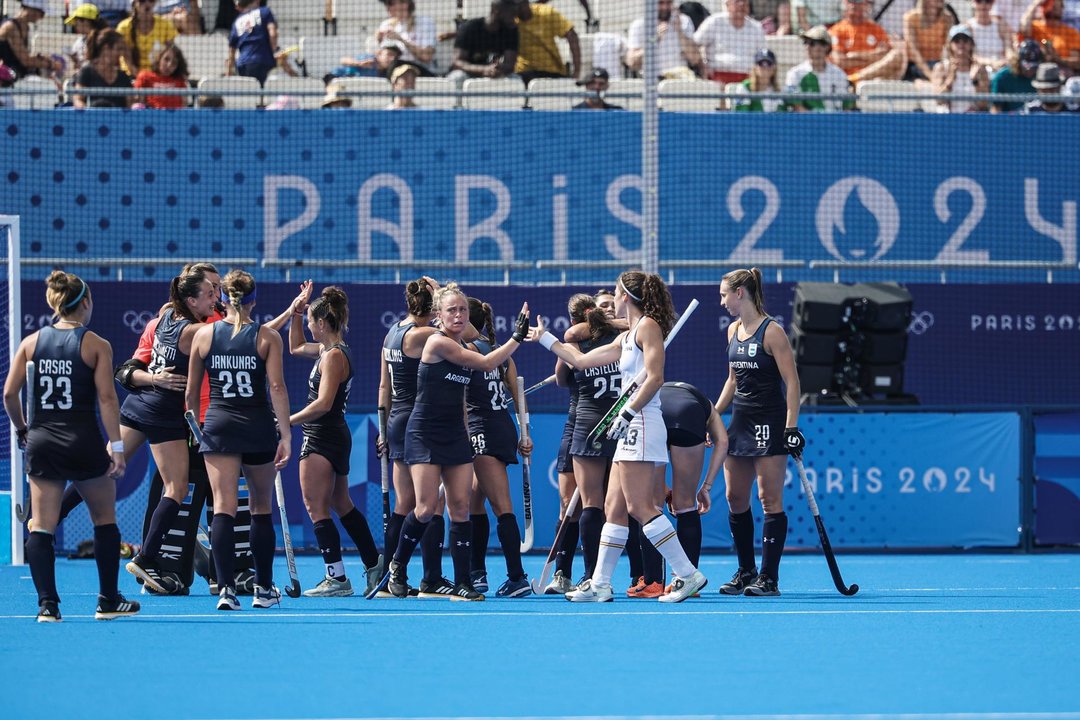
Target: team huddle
(444,395)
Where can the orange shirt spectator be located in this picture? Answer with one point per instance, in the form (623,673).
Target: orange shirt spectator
(1051,32)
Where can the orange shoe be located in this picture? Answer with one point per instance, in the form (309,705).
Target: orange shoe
(635,587)
(651,591)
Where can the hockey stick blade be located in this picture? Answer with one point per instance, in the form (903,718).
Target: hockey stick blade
(293,590)
(826,546)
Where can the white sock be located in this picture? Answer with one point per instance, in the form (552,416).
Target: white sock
(662,535)
(612,541)
(336,570)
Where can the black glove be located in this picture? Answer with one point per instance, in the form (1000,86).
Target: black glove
(521,327)
(794,442)
(21,437)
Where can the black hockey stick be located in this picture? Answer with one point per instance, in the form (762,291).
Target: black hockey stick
(546,381)
(597,434)
(526,467)
(826,547)
(293,590)
(384,469)
(22,510)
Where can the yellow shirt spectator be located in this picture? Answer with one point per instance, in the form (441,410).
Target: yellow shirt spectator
(537,51)
(145,45)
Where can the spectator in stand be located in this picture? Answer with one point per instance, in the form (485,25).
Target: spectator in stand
(1016,76)
(817,75)
(676,51)
(1047,83)
(774,16)
(597,83)
(863,49)
(403,78)
(253,41)
(102,70)
(728,42)
(385,59)
(538,55)
(959,73)
(416,33)
(185,15)
(762,80)
(1060,42)
(168,70)
(487,47)
(145,34)
(990,33)
(808,13)
(84,20)
(15,42)
(334,100)
(926,32)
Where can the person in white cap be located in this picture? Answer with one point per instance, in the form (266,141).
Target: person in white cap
(959,73)
(15,42)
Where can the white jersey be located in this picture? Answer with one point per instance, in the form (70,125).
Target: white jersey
(632,362)
(646,439)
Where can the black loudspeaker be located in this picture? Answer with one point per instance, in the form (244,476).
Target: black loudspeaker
(887,306)
(816,378)
(881,379)
(819,307)
(880,348)
(812,348)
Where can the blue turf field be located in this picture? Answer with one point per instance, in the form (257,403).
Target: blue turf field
(979,637)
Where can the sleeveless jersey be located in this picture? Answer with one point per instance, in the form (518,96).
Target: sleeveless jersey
(486,393)
(597,388)
(403,369)
(155,406)
(64,387)
(237,373)
(632,361)
(335,416)
(442,383)
(757,378)
(686,413)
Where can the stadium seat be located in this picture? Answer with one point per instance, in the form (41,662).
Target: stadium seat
(367,93)
(706,95)
(206,55)
(629,86)
(49,43)
(294,87)
(870,89)
(319,55)
(443,93)
(225,85)
(34,102)
(508,98)
(553,85)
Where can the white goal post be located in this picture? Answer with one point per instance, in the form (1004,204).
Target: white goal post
(9,228)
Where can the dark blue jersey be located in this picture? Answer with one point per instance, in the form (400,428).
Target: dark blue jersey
(686,413)
(757,378)
(64,388)
(155,406)
(237,373)
(442,383)
(402,368)
(486,394)
(335,416)
(597,388)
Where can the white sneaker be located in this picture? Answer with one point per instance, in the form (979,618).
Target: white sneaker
(266,597)
(227,599)
(331,587)
(682,588)
(588,591)
(559,585)
(374,575)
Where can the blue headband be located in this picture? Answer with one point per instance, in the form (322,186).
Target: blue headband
(78,297)
(243,301)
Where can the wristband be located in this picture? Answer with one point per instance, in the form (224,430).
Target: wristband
(547,340)
(628,414)
(117,446)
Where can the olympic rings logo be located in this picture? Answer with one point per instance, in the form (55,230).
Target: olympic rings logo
(921,322)
(390,318)
(135,320)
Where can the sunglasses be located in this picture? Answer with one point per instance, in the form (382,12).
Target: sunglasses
(765,63)
(982,2)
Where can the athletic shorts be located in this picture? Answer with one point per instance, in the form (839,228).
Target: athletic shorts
(563,463)
(580,445)
(66,451)
(250,433)
(333,443)
(646,440)
(395,431)
(756,432)
(437,436)
(156,434)
(494,435)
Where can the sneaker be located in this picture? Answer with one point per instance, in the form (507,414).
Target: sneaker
(266,597)
(479,580)
(441,588)
(635,586)
(682,588)
(559,585)
(464,592)
(146,570)
(170,581)
(112,609)
(213,587)
(398,581)
(245,582)
(227,599)
(650,592)
(588,591)
(48,611)
(739,581)
(374,575)
(667,588)
(331,587)
(515,588)
(763,586)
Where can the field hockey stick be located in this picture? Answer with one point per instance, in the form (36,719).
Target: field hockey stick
(826,547)
(526,466)
(293,590)
(22,510)
(545,574)
(384,469)
(537,386)
(193,425)
(597,434)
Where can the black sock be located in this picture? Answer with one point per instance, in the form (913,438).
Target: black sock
(162,520)
(564,559)
(329,540)
(41,557)
(652,562)
(742,532)
(357,526)
(392,535)
(773,536)
(223,545)
(510,539)
(481,531)
(107,557)
(71,500)
(688,528)
(591,525)
(411,532)
(634,550)
(460,551)
(431,547)
(263,540)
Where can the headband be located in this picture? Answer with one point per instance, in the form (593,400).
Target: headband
(627,291)
(78,297)
(250,297)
